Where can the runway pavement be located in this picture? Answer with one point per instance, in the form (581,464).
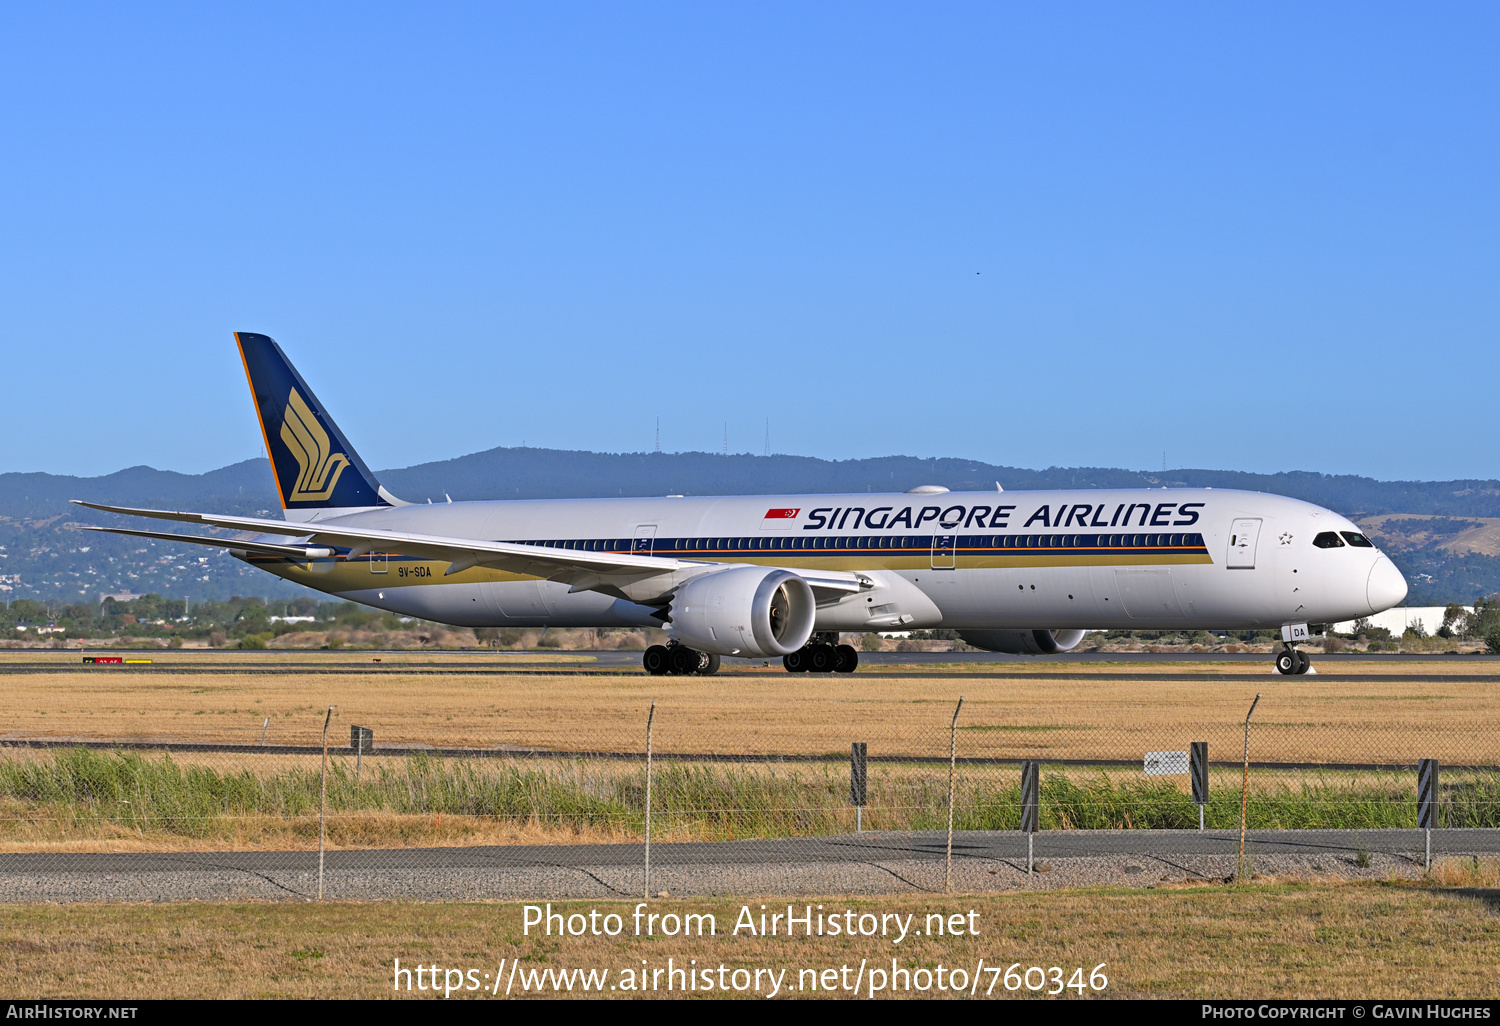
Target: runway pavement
(1247,667)
(870,863)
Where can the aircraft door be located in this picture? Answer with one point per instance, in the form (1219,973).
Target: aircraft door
(943,555)
(380,562)
(645,535)
(1243,535)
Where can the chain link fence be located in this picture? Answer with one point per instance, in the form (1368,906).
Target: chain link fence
(738,802)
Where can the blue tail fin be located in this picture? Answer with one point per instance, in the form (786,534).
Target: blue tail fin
(315,466)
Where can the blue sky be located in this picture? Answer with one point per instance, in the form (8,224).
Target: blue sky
(1256,237)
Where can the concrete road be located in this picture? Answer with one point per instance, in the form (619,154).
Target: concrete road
(871,863)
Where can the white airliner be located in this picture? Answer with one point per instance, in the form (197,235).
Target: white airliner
(767,576)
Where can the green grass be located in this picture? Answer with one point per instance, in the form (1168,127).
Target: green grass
(700,800)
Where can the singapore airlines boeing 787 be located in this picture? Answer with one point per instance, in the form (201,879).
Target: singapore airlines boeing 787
(782,575)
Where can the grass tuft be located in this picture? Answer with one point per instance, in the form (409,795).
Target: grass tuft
(84,788)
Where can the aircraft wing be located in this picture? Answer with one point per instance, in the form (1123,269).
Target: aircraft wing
(622,573)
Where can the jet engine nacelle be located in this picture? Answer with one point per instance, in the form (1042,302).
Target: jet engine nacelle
(1024,642)
(744,611)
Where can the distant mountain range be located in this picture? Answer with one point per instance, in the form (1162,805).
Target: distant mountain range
(54,562)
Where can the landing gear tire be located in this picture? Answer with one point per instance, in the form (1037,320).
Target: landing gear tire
(656,660)
(711,668)
(795,662)
(846,659)
(1291,662)
(686,660)
(821,658)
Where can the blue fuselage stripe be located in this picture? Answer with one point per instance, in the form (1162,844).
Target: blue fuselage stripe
(866,545)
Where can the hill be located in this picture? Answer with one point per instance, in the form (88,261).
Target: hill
(1440,532)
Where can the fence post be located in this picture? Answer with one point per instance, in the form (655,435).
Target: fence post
(323,802)
(1031,812)
(952,760)
(858,782)
(1245,787)
(1198,759)
(362,740)
(1427,803)
(650,717)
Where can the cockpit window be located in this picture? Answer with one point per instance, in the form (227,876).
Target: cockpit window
(1356,539)
(1328,540)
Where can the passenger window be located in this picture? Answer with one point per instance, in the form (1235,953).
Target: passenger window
(1358,540)
(1328,540)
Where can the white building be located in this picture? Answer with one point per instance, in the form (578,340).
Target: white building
(1397,620)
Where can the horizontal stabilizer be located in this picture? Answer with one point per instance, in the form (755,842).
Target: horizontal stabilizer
(256,548)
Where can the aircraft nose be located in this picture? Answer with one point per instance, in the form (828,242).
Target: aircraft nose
(1386,587)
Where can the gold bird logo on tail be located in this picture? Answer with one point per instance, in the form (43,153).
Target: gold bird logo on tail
(308,442)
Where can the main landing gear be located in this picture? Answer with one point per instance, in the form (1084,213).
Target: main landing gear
(679,660)
(1291,661)
(822,654)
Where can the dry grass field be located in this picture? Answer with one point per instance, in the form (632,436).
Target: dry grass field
(1260,940)
(1047,711)
(1042,710)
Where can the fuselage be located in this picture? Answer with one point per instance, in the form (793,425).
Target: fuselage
(1096,559)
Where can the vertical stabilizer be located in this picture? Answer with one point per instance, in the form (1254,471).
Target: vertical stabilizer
(315,467)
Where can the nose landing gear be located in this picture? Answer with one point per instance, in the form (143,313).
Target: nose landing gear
(1292,661)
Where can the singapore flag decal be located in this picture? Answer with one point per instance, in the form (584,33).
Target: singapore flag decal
(782,514)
